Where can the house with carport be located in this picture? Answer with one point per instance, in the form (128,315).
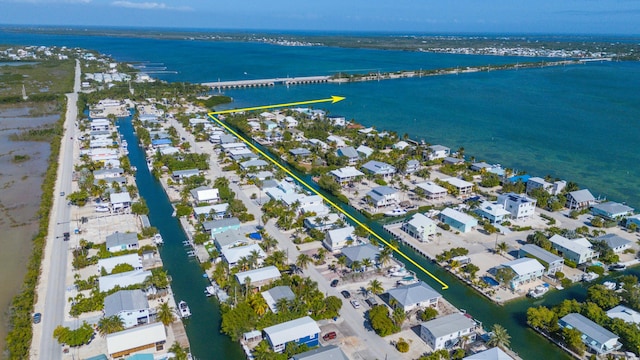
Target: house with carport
(551,262)
(580,199)
(447,331)
(259,277)
(432,190)
(611,210)
(525,269)
(149,338)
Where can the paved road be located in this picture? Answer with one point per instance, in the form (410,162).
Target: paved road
(51,305)
(352,318)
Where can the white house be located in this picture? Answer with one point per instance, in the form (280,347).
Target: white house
(597,338)
(364,151)
(107,173)
(458,220)
(321,223)
(259,277)
(109,263)
(464,187)
(349,153)
(624,313)
(382,196)
(204,194)
(360,252)
(120,201)
(525,270)
(495,213)
(552,263)
(379,168)
(234,254)
(434,152)
(420,227)
(415,295)
(611,210)
(300,331)
(230,238)
(554,188)
(616,243)
(130,305)
(276,293)
(495,353)
(578,251)
(432,190)
(122,241)
(336,239)
(346,174)
(447,331)
(580,199)
(519,206)
(148,337)
(401,145)
(106,283)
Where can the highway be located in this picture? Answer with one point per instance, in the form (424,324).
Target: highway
(51,289)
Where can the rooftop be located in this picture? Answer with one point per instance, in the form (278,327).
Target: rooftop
(412,294)
(524,266)
(292,330)
(361,252)
(448,324)
(582,196)
(589,328)
(258,275)
(331,352)
(124,300)
(118,238)
(540,253)
(614,241)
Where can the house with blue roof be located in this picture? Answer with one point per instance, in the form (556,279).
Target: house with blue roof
(350,153)
(379,168)
(160,143)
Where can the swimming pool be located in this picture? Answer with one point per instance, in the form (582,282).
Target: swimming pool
(490,281)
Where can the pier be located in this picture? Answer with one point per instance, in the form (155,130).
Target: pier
(267,82)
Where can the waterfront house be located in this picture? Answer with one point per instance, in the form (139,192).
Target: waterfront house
(552,263)
(300,152)
(274,294)
(336,140)
(320,222)
(611,210)
(364,151)
(107,173)
(447,331)
(134,277)
(525,269)
(290,122)
(337,120)
(434,152)
(452,161)
(161,143)
(624,313)
(554,188)
(299,331)
(100,124)
(432,190)
(217,226)
(634,219)
(359,253)
(119,201)
(597,338)
(495,353)
(495,213)
(259,277)
(416,295)
(400,145)
(217,211)
(331,352)
(179,175)
(229,147)
(520,206)
(256,164)
(129,305)
(150,337)
(346,175)
(412,166)
(122,241)
(578,251)
(378,168)
(458,220)
(230,239)
(205,194)
(336,239)
(614,242)
(227,138)
(420,227)
(318,144)
(109,263)
(480,166)
(270,125)
(349,153)
(233,254)
(580,199)
(169,150)
(464,187)
(120,180)
(382,196)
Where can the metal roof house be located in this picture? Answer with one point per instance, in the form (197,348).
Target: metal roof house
(526,270)
(552,263)
(346,174)
(330,352)
(205,194)
(415,295)
(432,190)
(382,196)
(360,252)
(495,213)
(350,153)
(615,242)
(597,338)
(611,210)
(379,168)
(130,305)
(420,227)
(274,294)
(519,206)
(445,332)
(106,283)
(233,254)
(580,199)
(336,239)
(301,331)
(259,277)
(458,220)
(494,353)
(230,238)
(122,241)
(139,338)
(178,175)
(436,152)
(624,313)
(464,187)
(217,226)
(109,263)
(577,250)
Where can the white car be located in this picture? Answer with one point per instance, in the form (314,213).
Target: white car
(355,304)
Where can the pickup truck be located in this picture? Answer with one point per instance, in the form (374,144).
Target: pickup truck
(329,336)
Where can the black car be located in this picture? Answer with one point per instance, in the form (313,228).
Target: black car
(334,283)
(345,293)
(36,318)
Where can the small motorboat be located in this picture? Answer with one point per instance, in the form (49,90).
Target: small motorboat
(185,312)
(157,239)
(610,285)
(407,280)
(538,291)
(396,212)
(398,272)
(617,267)
(590,276)
(210,291)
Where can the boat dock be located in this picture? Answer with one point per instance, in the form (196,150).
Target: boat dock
(220,85)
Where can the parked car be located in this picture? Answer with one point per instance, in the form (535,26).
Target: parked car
(334,282)
(62,193)
(36,318)
(355,304)
(329,336)
(345,293)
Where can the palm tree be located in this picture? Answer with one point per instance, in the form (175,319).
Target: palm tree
(502,247)
(165,314)
(384,257)
(342,261)
(355,265)
(110,324)
(179,352)
(499,337)
(282,305)
(321,254)
(258,305)
(375,286)
(303,260)
(367,263)
(254,256)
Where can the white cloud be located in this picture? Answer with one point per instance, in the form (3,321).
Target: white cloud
(148,5)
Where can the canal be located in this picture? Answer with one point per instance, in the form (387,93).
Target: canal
(203,328)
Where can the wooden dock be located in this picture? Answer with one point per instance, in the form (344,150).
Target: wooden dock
(180,334)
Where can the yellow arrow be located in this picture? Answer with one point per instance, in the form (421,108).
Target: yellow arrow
(332,99)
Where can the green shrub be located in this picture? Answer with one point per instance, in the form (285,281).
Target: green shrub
(596,269)
(402,346)
(570,263)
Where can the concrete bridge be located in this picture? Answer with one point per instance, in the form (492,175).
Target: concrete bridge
(267,82)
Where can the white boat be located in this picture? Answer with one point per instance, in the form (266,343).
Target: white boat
(610,285)
(157,239)
(396,212)
(398,272)
(407,280)
(210,291)
(185,312)
(538,291)
(590,276)
(617,267)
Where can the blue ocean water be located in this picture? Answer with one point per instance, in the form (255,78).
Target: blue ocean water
(578,123)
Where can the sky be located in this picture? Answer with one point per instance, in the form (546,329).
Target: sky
(418,16)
